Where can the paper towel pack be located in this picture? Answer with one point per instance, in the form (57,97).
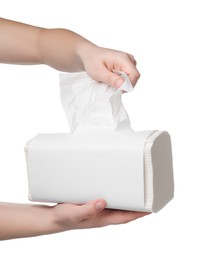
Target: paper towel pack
(102,157)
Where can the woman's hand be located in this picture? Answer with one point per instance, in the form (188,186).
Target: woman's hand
(100,64)
(90,215)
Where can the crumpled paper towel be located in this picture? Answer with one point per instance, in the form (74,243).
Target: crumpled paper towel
(88,103)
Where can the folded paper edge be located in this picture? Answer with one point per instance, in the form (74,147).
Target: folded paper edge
(160,190)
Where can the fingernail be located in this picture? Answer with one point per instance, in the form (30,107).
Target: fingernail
(99,205)
(118,82)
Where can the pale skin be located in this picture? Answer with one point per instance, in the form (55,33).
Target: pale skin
(67,51)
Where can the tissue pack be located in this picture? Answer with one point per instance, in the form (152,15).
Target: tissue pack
(67,168)
(102,157)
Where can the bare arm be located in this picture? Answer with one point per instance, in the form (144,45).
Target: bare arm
(25,44)
(17,220)
(63,50)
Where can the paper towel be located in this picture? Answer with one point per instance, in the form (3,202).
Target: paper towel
(102,157)
(88,103)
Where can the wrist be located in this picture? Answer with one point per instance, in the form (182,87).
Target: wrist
(58,219)
(84,50)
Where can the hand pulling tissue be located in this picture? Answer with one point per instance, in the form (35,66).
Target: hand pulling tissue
(102,157)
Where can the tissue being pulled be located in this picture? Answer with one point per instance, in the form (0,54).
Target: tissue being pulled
(102,157)
(89,103)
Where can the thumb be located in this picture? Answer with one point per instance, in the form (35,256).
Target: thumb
(111,78)
(91,208)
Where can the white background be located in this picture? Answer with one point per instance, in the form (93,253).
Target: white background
(162,37)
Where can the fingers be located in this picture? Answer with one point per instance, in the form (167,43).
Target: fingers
(130,69)
(95,214)
(90,209)
(111,78)
(132,59)
(126,63)
(108,217)
(114,80)
(115,217)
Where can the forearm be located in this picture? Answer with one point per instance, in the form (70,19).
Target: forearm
(26,44)
(62,49)
(18,220)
